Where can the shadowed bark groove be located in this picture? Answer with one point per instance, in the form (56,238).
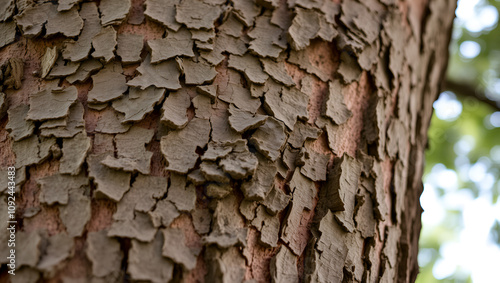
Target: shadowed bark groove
(217,141)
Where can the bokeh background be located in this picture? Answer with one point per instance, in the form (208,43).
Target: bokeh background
(460,238)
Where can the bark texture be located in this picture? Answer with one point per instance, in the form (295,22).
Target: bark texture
(217,141)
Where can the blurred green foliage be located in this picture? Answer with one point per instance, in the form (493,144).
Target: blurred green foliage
(459,143)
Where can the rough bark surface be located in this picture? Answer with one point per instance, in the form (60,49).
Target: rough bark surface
(217,141)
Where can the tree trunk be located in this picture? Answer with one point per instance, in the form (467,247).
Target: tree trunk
(216,141)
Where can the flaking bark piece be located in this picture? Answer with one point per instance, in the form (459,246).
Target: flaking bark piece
(19,179)
(140,162)
(60,247)
(248,209)
(108,84)
(162,75)
(84,71)
(203,35)
(232,26)
(179,147)
(163,11)
(131,152)
(335,106)
(305,26)
(31,252)
(113,11)
(246,11)
(74,152)
(227,240)
(62,69)
(68,23)
(397,137)
(53,123)
(287,105)
(76,213)
(18,126)
(104,253)
(139,228)
(175,248)
(32,19)
(201,220)
(226,265)
(7,33)
(110,183)
(13,74)
(277,71)
(250,66)
(204,46)
(217,150)
(302,132)
(360,21)
(55,188)
(138,103)
(330,9)
(234,92)
(224,43)
(7,9)
(175,44)
(309,4)
(104,44)
(208,90)
(239,165)
(198,72)
(111,123)
(129,47)
(32,150)
(142,196)
(79,50)
(262,180)
(164,213)
(390,251)
(304,192)
(183,196)
(197,14)
(146,262)
(48,60)
(227,224)
(51,104)
(301,58)
(348,68)
(203,107)
(381,209)
(174,109)
(284,267)
(315,165)
(196,177)
(74,124)
(212,172)
(269,138)
(267,38)
(242,121)
(268,225)
(354,263)
(327,262)
(65,5)
(364,216)
(327,31)
(276,200)
(340,190)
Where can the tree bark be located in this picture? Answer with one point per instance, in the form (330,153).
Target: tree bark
(217,141)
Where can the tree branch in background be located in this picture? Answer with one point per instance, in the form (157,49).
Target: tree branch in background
(464,89)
